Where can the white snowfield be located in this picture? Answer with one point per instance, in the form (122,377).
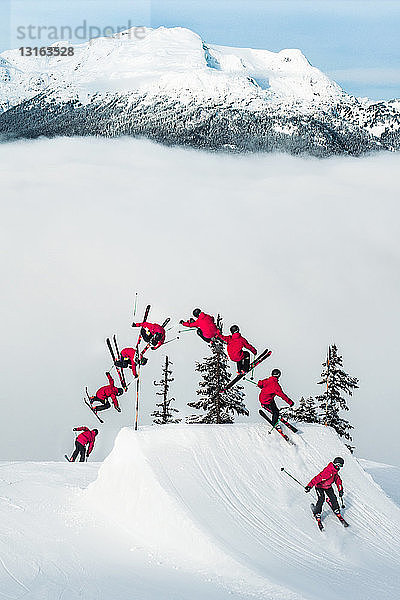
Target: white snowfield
(194,512)
(172,61)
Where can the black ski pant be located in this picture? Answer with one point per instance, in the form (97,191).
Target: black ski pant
(244,364)
(146,335)
(79,449)
(104,404)
(200,333)
(272,408)
(321,497)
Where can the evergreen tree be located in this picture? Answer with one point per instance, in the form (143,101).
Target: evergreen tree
(332,401)
(218,407)
(306,411)
(164,414)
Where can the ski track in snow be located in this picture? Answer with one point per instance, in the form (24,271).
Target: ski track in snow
(198,512)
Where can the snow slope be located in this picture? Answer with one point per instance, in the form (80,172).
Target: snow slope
(208,495)
(193,512)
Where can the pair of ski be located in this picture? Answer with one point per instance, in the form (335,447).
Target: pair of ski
(277,428)
(89,404)
(146,314)
(260,358)
(141,360)
(116,357)
(319,521)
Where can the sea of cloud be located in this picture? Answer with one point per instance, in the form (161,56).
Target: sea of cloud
(299,252)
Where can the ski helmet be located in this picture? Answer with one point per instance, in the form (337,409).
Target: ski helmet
(196,312)
(338,461)
(95,431)
(120,392)
(276,373)
(234,329)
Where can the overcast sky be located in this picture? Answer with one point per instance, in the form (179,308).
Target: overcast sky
(356,42)
(299,252)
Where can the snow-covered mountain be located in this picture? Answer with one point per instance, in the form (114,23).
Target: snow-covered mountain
(173,87)
(194,512)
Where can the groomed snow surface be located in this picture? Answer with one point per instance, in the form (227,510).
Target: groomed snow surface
(195,512)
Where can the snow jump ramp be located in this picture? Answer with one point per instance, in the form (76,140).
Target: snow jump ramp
(213,498)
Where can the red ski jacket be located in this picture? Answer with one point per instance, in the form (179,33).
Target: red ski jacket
(271,388)
(327,478)
(108,391)
(130,354)
(236,343)
(154,328)
(205,323)
(87,437)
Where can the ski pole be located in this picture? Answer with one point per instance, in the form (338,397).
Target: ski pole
(173,339)
(296,480)
(249,380)
(134,309)
(273,426)
(186,330)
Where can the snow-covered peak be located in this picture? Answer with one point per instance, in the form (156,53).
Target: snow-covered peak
(285,74)
(166,60)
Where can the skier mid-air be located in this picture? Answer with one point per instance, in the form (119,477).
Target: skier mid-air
(104,394)
(323,485)
(236,343)
(153,334)
(269,389)
(127,360)
(86,438)
(205,325)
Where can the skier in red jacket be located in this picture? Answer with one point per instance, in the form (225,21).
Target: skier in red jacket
(152,333)
(86,437)
(104,393)
(127,360)
(323,485)
(269,389)
(236,343)
(205,324)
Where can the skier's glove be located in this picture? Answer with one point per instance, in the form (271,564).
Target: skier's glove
(133,324)
(75,429)
(181,322)
(307,489)
(341,492)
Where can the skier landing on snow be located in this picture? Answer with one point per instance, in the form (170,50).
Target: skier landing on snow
(86,438)
(236,343)
(205,325)
(104,394)
(323,485)
(269,389)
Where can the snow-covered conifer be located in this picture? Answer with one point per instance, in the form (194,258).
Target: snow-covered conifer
(332,401)
(164,413)
(217,407)
(306,411)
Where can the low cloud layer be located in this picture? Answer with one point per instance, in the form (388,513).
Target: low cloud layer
(299,252)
